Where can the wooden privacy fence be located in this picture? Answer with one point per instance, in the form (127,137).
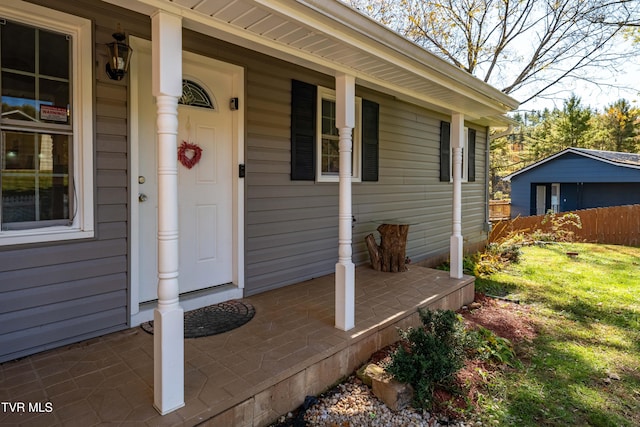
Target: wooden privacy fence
(617,225)
(499,210)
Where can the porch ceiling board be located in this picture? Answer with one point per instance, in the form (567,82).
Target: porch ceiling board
(311,40)
(193,3)
(220,8)
(331,37)
(250,18)
(324,45)
(267,24)
(283,30)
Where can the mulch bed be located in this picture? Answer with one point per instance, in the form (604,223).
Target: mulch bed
(506,319)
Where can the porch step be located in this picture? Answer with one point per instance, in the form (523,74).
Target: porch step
(316,374)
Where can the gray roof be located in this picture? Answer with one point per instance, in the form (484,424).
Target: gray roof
(613,156)
(629,160)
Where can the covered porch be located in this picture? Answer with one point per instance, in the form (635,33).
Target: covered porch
(245,377)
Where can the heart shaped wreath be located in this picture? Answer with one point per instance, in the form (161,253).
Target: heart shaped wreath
(189,154)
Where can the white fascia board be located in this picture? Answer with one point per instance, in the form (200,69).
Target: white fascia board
(501,121)
(354,30)
(357,31)
(352,19)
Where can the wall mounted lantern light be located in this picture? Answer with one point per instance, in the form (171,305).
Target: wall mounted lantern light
(119,56)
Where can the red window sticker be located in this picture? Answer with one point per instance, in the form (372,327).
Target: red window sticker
(55,114)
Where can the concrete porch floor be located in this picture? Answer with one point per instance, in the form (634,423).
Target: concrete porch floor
(245,377)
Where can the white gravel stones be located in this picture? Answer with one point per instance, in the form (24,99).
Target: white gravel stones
(354,405)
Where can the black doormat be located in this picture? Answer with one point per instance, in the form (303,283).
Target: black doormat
(213,319)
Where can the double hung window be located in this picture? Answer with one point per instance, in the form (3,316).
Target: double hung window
(315,145)
(45,126)
(468,169)
(328,141)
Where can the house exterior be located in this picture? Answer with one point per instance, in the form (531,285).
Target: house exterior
(307,124)
(575,178)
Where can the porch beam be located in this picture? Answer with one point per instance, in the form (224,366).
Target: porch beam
(168,338)
(456,242)
(345,269)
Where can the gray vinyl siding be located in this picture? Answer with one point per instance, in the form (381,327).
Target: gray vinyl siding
(290,225)
(63,292)
(57,293)
(409,190)
(292,231)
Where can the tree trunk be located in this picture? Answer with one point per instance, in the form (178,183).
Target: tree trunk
(391,254)
(374,252)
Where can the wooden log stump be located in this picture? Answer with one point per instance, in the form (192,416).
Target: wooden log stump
(390,255)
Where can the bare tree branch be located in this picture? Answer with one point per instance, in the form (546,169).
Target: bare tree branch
(525,47)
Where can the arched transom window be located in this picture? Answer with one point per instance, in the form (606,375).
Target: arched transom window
(195,95)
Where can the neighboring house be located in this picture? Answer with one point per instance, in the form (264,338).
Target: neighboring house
(575,178)
(95,206)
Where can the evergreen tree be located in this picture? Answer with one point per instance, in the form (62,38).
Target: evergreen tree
(572,125)
(541,135)
(598,137)
(621,123)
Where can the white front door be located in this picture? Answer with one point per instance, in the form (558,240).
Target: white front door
(205,202)
(205,191)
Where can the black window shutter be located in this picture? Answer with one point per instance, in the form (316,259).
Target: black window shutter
(370,140)
(303,131)
(471,156)
(445,147)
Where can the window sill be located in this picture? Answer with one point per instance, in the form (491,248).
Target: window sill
(52,234)
(335,178)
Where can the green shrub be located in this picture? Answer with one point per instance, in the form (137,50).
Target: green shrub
(484,344)
(430,355)
(561,226)
(496,255)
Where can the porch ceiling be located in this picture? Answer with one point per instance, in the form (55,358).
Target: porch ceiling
(331,37)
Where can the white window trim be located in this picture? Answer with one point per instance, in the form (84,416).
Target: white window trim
(356,173)
(465,158)
(82,103)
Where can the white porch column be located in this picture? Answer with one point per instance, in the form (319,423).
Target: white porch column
(345,269)
(456,244)
(168,337)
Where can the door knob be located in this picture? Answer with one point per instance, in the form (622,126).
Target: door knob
(142,197)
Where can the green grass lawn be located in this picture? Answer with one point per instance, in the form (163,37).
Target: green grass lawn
(583,369)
